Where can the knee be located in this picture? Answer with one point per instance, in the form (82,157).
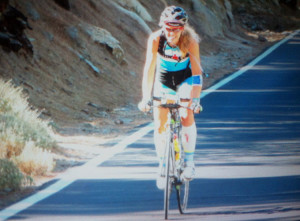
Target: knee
(189,120)
(161,128)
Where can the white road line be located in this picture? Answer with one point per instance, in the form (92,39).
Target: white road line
(66,180)
(247,67)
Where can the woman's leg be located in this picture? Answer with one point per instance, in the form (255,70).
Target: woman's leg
(189,130)
(160,130)
(189,136)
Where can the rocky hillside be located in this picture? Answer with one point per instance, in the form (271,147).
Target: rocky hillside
(86,61)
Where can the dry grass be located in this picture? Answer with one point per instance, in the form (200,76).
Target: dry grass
(34,161)
(25,139)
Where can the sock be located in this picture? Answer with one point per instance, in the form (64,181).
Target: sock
(189,136)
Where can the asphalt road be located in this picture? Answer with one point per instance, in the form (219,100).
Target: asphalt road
(247,158)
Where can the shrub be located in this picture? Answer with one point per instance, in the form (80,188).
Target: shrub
(25,139)
(11,177)
(11,144)
(19,117)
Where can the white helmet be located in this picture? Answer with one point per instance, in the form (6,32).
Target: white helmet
(173,16)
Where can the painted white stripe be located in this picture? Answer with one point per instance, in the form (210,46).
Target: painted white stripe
(24,204)
(247,67)
(66,180)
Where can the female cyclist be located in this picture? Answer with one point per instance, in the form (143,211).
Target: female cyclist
(173,67)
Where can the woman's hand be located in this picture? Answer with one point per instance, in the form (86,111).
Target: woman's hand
(196,106)
(144,106)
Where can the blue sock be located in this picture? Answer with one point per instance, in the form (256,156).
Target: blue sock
(189,158)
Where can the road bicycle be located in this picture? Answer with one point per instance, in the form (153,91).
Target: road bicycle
(174,158)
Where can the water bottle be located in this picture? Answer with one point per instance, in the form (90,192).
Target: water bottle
(176,148)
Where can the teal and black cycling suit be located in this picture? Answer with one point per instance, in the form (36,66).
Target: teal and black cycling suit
(173,71)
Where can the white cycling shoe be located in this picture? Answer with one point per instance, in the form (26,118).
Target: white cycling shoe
(189,171)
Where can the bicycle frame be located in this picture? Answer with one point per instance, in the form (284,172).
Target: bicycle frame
(174,159)
(175,140)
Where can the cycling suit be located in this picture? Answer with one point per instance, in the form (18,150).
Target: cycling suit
(173,76)
(173,71)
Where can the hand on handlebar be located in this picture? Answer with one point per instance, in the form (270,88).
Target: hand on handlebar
(145,105)
(196,106)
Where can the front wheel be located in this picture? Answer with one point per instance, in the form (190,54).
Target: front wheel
(182,191)
(168,184)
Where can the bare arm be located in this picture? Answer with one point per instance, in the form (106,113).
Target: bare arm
(149,68)
(197,76)
(196,69)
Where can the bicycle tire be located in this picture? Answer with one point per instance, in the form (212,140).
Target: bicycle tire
(182,186)
(182,192)
(168,184)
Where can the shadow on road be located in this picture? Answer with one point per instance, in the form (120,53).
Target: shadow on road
(131,196)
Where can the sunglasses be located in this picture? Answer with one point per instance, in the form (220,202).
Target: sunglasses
(175,30)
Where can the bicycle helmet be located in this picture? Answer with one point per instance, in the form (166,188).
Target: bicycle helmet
(173,16)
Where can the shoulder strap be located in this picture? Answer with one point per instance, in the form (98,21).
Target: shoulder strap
(161,47)
(162,40)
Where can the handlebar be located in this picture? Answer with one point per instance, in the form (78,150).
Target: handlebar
(171,106)
(171,102)
(175,102)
